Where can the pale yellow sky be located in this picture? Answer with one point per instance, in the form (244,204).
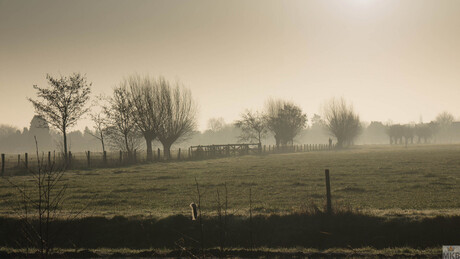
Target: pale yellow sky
(393,59)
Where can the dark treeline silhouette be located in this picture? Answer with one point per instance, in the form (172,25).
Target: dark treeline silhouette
(144,113)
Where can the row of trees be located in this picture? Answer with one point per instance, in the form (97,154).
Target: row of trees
(142,107)
(285,120)
(441,126)
(156,109)
(152,108)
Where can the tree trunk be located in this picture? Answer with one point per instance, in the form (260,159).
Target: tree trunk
(65,144)
(148,143)
(127,147)
(102,142)
(277,141)
(167,150)
(339,143)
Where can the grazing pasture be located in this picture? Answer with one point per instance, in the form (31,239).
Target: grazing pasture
(419,180)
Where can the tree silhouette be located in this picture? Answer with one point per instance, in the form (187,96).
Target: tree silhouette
(285,120)
(144,92)
(342,122)
(63,103)
(178,114)
(121,127)
(253,127)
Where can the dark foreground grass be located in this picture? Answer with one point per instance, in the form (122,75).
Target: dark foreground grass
(421,179)
(365,252)
(318,230)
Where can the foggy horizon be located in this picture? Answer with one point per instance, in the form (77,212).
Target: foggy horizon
(393,60)
(229,129)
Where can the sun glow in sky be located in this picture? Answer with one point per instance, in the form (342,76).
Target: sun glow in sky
(393,59)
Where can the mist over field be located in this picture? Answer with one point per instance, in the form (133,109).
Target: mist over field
(202,128)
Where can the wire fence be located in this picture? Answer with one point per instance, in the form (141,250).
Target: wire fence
(11,163)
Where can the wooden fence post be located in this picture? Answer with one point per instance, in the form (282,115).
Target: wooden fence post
(3,164)
(49,158)
(328,192)
(26,158)
(121,157)
(88,156)
(159,154)
(19,160)
(178,155)
(70,159)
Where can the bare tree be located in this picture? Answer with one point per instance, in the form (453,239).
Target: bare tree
(444,126)
(285,120)
(100,128)
(341,121)
(121,127)
(144,92)
(216,124)
(444,119)
(63,103)
(178,114)
(253,127)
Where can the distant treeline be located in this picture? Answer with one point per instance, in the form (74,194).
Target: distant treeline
(15,140)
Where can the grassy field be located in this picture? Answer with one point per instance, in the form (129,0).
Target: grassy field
(419,180)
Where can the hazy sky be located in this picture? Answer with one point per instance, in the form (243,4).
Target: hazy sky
(393,59)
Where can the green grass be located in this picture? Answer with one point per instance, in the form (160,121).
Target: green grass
(421,180)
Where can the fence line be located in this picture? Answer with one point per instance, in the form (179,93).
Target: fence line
(91,159)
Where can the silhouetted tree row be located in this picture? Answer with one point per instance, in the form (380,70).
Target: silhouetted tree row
(149,108)
(141,107)
(442,130)
(285,121)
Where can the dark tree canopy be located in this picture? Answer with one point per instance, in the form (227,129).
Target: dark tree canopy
(285,120)
(38,122)
(63,103)
(342,122)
